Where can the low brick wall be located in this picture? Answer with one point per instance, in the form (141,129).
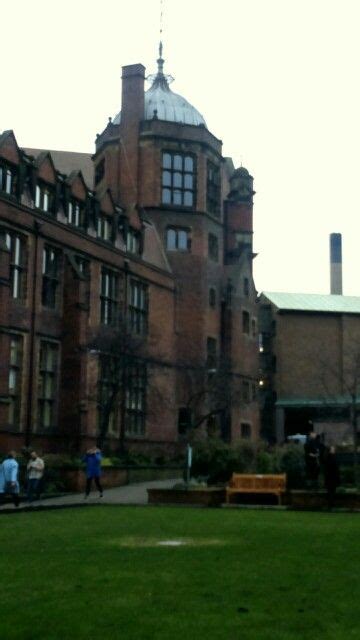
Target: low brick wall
(318,500)
(74,479)
(208,496)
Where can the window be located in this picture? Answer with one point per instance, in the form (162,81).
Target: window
(246,322)
(48,384)
(177,239)
(253,327)
(213,192)
(246,287)
(245,430)
(135,403)
(15,375)
(104,227)
(100,171)
(108,388)
(138,307)
(253,392)
(7,177)
(83,265)
(245,391)
(212,297)
(243,239)
(133,241)
(109,303)
(213,247)
(43,197)
(211,358)
(18,263)
(178,179)
(184,420)
(75,213)
(51,277)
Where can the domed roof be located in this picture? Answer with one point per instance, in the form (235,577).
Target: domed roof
(164,104)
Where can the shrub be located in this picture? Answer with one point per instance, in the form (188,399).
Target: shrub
(217,461)
(290,459)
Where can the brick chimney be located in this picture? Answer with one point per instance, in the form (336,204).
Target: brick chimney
(132,113)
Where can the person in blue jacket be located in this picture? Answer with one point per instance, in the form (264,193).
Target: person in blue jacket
(9,483)
(92,459)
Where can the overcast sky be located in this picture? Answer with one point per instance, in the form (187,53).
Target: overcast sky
(276,80)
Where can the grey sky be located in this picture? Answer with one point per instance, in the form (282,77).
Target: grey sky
(276,80)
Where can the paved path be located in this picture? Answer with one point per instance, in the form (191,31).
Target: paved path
(129,494)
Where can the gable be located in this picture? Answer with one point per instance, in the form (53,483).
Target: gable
(77,186)
(46,169)
(9,149)
(106,203)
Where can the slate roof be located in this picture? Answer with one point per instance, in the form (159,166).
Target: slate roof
(68,161)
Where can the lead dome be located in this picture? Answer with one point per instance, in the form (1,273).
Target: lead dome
(162,103)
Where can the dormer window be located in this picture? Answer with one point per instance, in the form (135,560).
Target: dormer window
(6,179)
(178,179)
(75,213)
(104,227)
(133,241)
(43,196)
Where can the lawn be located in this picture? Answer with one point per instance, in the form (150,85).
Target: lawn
(100,573)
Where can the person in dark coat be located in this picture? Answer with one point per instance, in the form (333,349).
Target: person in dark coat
(92,459)
(312,461)
(331,475)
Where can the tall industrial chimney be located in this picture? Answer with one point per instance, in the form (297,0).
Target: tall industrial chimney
(335,264)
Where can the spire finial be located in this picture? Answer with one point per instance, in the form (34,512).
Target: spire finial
(160,59)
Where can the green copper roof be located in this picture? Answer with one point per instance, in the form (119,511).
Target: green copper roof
(314,302)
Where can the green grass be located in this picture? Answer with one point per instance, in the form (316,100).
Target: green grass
(99,573)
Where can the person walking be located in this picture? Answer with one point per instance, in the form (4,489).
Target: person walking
(331,475)
(92,459)
(35,472)
(9,478)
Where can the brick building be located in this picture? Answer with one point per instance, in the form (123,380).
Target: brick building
(155,231)
(310,364)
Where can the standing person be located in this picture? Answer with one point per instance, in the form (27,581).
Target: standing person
(312,461)
(331,475)
(35,472)
(92,459)
(2,484)
(10,472)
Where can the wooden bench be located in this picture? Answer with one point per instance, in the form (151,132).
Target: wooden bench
(250,483)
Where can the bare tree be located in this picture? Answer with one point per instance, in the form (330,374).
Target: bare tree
(341,381)
(124,364)
(210,391)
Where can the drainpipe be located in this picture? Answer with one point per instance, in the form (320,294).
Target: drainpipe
(28,431)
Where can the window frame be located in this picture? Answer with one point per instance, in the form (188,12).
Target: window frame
(138,307)
(213,247)
(16,373)
(17,246)
(76,208)
(176,245)
(213,189)
(8,176)
(47,378)
(44,197)
(51,280)
(109,297)
(136,400)
(178,191)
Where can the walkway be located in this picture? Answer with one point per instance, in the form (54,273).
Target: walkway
(134,494)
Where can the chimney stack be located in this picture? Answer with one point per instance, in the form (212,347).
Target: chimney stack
(335,264)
